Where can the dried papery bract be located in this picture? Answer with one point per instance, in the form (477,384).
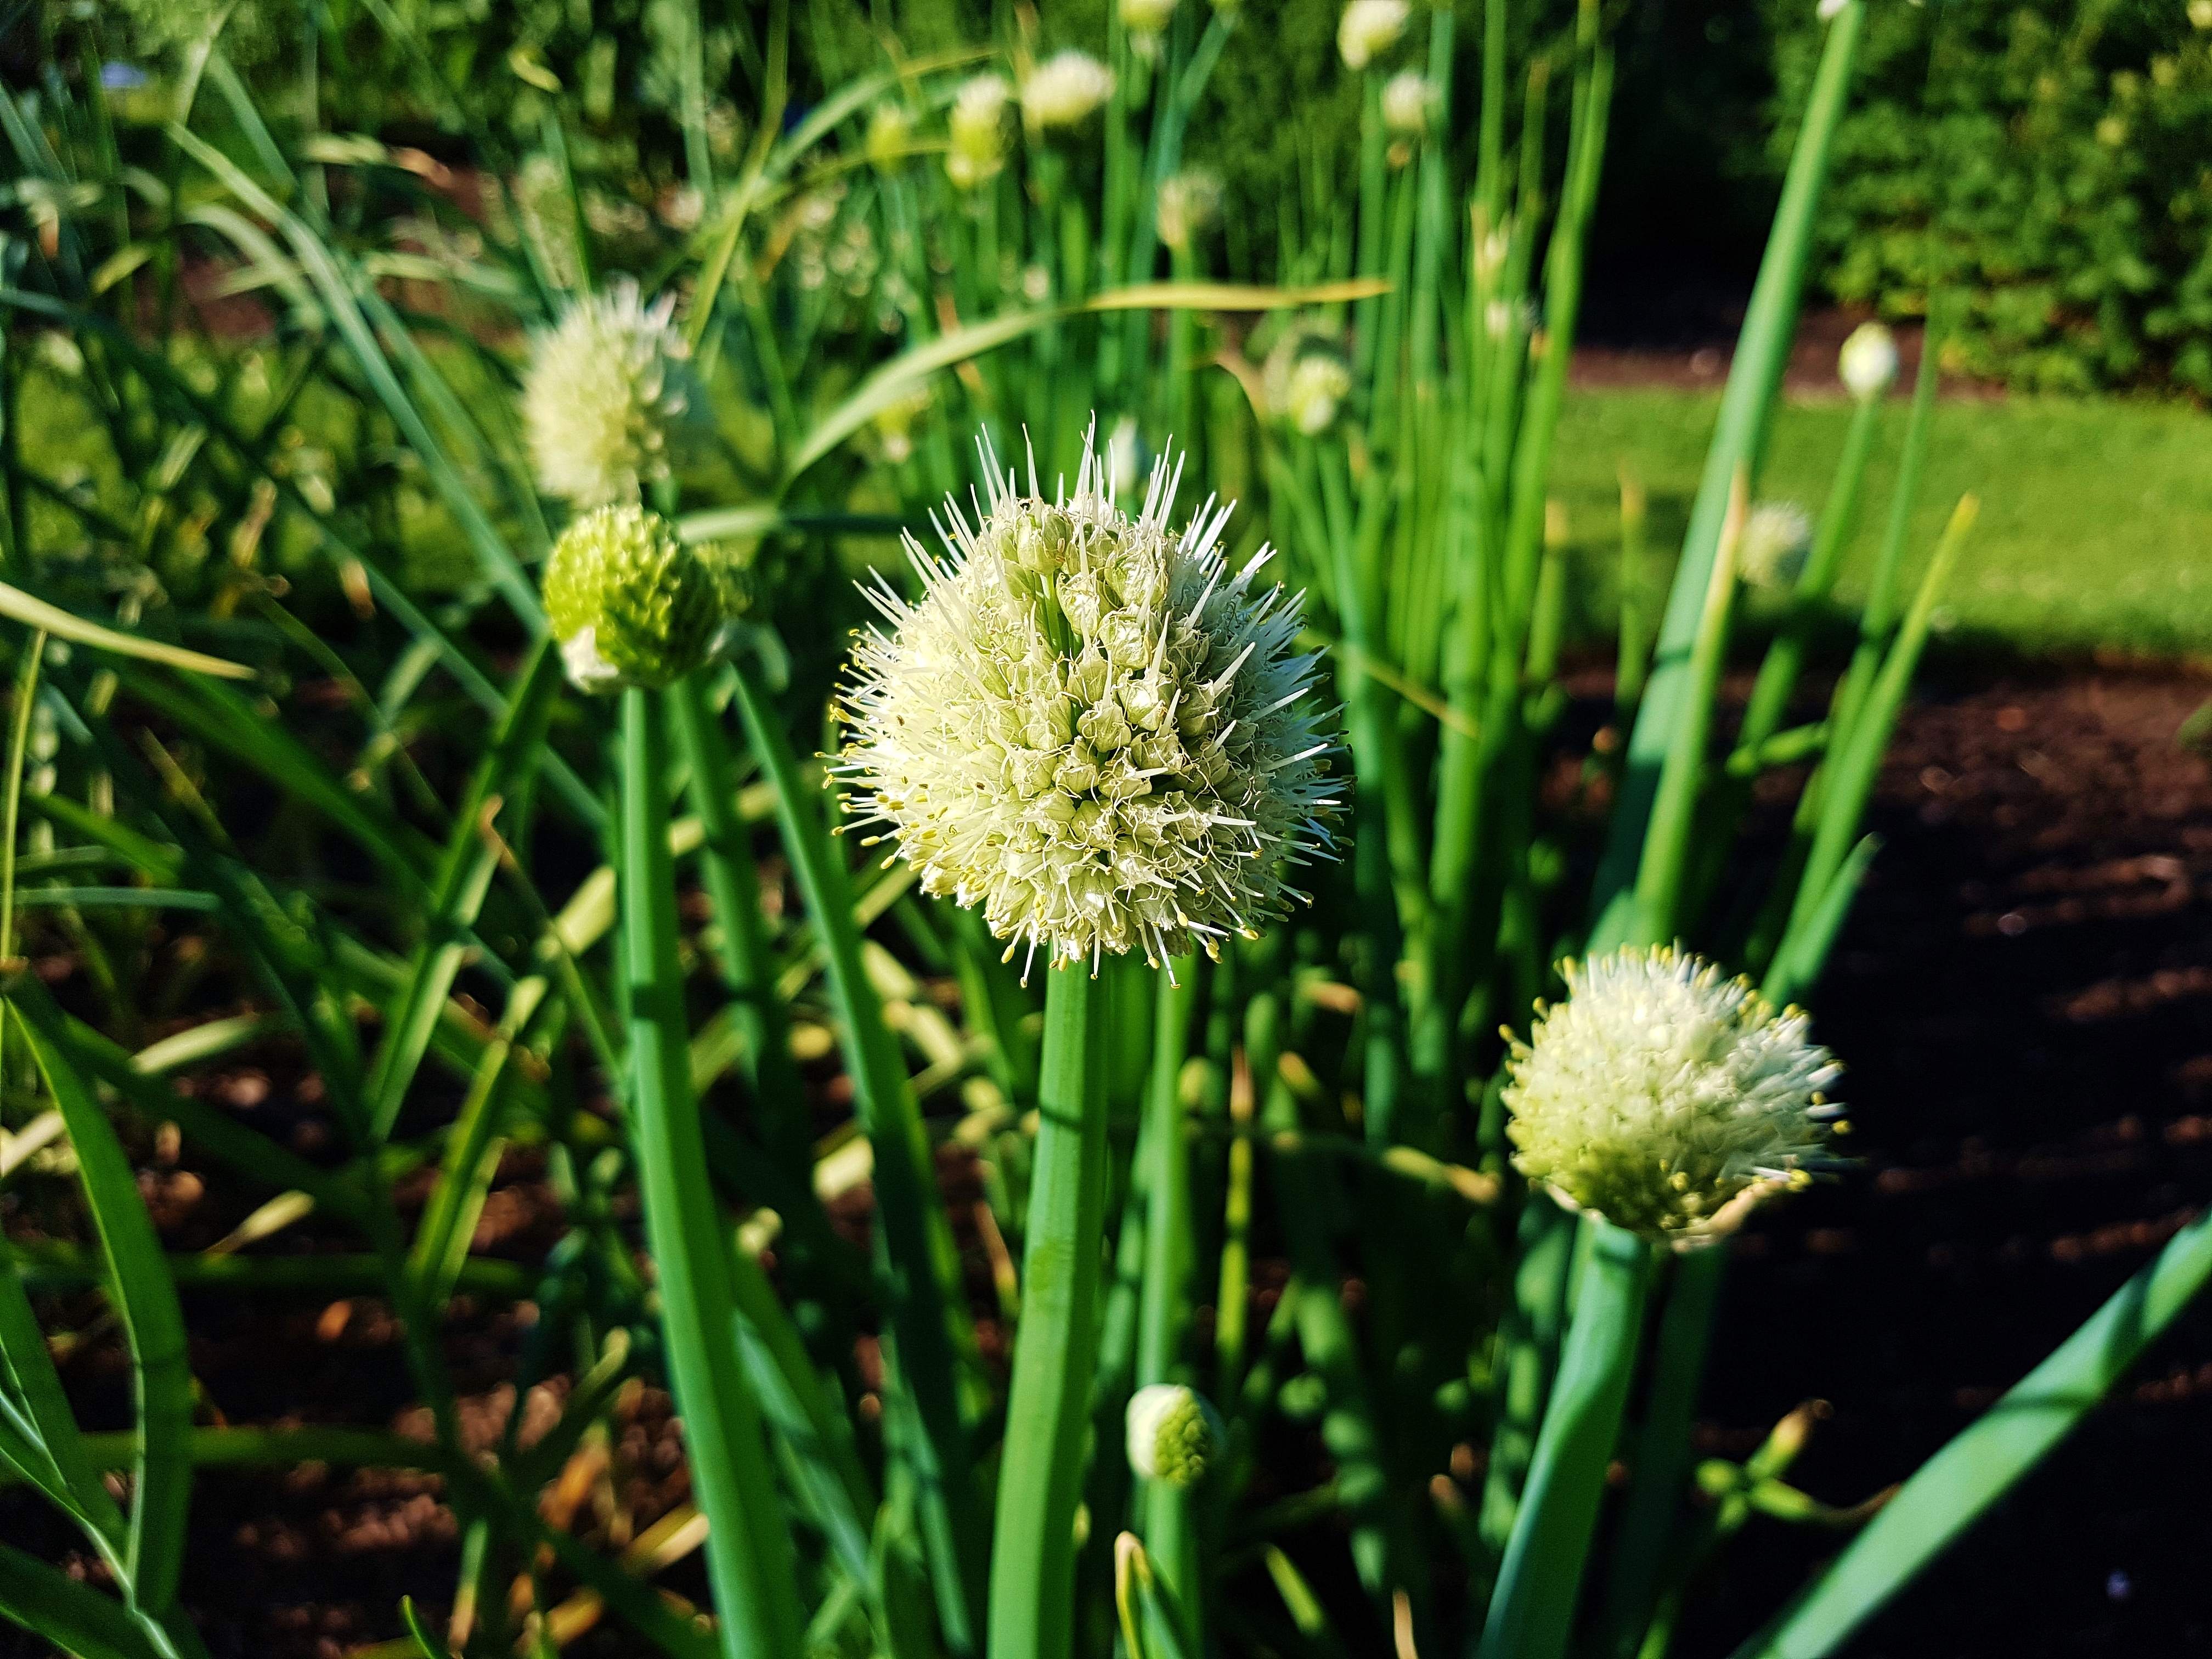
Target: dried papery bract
(1666,1098)
(608,396)
(1092,727)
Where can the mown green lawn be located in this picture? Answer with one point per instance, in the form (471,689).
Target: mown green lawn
(2096,523)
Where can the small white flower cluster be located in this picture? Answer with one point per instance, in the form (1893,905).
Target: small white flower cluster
(979,146)
(1306,380)
(1771,550)
(1092,726)
(1063,90)
(1407,97)
(1189,201)
(606,396)
(1368,28)
(1666,1098)
(1147,20)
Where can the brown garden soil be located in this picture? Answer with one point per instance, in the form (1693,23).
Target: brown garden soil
(2024,999)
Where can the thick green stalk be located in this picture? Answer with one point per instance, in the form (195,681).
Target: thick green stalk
(1762,353)
(1533,1608)
(1528,1346)
(1654,1514)
(750,1558)
(1041,1467)
(1981,1464)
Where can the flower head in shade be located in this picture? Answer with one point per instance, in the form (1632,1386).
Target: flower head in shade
(608,396)
(1092,726)
(890,130)
(1368,28)
(1306,380)
(1775,541)
(1147,20)
(979,143)
(630,603)
(1174,1435)
(1064,90)
(1666,1098)
(1407,99)
(1189,201)
(1868,363)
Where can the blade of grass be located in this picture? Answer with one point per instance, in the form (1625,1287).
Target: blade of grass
(48,1602)
(917,1271)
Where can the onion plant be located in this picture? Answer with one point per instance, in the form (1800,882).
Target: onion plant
(1275,1226)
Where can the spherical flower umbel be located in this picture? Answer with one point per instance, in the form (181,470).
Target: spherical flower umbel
(1868,363)
(1092,726)
(1146,20)
(607,397)
(1188,201)
(1666,1098)
(630,603)
(1064,91)
(1368,28)
(1406,99)
(1775,541)
(1173,1434)
(890,130)
(979,149)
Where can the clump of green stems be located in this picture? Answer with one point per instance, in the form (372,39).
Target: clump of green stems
(348,501)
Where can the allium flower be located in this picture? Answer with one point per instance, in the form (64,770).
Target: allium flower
(1868,363)
(890,130)
(630,603)
(1174,1435)
(1666,1098)
(1306,380)
(1368,28)
(1090,727)
(607,397)
(1063,90)
(979,146)
(1189,201)
(1775,541)
(1147,20)
(1407,100)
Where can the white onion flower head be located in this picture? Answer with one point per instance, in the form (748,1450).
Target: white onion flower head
(1368,28)
(890,130)
(1189,201)
(1868,363)
(1666,1098)
(979,146)
(1775,539)
(1173,1434)
(1407,99)
(608,397)
(1065,91)
(1092,726)
(1319,383)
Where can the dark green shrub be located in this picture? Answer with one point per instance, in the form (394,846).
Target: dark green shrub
(2050,163)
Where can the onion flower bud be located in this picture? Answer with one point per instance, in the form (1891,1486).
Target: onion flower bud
(1174,1435)
(607,397)
(1092,727)
(1368,28)
(630,603)
(1189,201)
(1773,548)
(1665,1098)
(890,130)
(1406,99)
(1147,20)
(1868,363)
(1064,90)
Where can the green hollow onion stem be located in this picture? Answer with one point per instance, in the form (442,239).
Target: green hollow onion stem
(1048,1407)
(750,1559)
(1533,1608)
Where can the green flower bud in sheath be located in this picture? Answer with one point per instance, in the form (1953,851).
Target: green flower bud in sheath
(1174,1435)
(1092,727)
(1665,1098)
(630,603)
